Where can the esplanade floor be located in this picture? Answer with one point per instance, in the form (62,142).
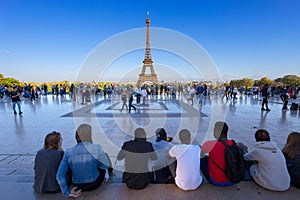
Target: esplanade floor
(22,136)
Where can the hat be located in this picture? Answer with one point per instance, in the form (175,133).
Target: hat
(14,87)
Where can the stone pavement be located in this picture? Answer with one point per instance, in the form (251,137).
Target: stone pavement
(22,137)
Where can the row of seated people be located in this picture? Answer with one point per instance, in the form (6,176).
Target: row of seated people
(85,166)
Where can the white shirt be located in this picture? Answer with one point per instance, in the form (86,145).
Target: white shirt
(235,90)
(188,175)
(144,93)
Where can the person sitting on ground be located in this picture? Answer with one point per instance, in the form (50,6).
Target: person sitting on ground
(187,172)
(270,172)
(213,165)
(46,164)
(87,161)
(291,152)
(162,145)
(136,153)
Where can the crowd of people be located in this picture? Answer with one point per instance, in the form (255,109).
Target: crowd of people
(86,166)
(193,92)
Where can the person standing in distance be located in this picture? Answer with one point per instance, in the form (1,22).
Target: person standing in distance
(266,95)
(15,98)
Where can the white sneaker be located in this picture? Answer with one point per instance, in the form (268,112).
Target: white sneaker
(106,177)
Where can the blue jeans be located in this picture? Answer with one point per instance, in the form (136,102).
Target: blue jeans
(18,104)
(200,98)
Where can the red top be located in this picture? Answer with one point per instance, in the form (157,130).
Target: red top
(216,153)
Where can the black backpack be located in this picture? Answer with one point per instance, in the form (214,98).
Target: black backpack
(294,106)
(234,162)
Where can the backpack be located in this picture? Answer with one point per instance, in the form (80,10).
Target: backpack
(294,106)
(234,162)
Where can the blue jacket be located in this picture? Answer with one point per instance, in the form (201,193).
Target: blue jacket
(84,160)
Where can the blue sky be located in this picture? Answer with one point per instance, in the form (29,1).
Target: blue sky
(49,40)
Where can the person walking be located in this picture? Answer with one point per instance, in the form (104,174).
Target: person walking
(284,97)
(130,102)
(200,92)
(124,99)
(266,95)
(192,93)
(15,98)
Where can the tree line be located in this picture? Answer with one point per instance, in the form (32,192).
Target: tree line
(288,80)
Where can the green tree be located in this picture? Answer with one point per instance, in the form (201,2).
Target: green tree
(291,80)
(9,81)
(247,82)
(264,80)
(1,76)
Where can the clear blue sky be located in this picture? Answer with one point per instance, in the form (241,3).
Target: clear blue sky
(48,40)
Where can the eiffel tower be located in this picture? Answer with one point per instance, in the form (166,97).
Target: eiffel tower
(143,77)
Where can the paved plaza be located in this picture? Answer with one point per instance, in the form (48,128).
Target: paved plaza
(22,137)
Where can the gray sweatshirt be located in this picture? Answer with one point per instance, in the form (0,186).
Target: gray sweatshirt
(270,171)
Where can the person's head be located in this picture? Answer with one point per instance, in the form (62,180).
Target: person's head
(220,130)
(15,88)
(185,136)
(84,133)
(161,134)
(262,135)
(292,146)
(266,85)
(140,133)
(53,140)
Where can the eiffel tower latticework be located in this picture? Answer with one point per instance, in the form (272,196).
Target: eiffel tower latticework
(152,77)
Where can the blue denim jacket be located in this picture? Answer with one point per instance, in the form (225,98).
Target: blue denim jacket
(84,160)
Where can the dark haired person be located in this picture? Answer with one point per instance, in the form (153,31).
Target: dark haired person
(136,153)
(15,98)
(46,164)
(291,151)
(212,165)
(187,174)
(265,93)
(87,161)
(162,145)
(270,172)
(130,94)
(284,98)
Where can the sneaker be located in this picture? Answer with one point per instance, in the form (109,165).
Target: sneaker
(15,112)
(263,109)
(106,177)
(268,109)
(20,113)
